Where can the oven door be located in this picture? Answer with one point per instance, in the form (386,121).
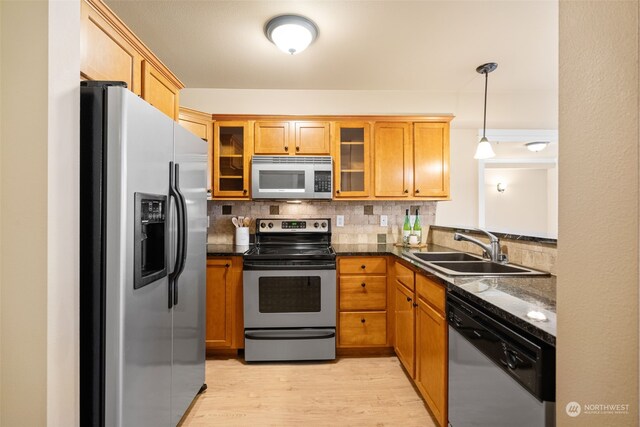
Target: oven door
(295,298)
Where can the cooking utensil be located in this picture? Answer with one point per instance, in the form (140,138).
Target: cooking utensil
(234,220)
(246,221)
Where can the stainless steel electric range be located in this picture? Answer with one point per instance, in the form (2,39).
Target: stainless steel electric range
(289,285)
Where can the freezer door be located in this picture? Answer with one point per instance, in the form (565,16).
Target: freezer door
(189,309)
(138,321)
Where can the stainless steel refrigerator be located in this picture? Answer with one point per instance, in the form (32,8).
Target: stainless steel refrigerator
(143,229)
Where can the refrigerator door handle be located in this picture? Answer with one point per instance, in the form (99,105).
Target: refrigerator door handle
(173,192)
(182,230)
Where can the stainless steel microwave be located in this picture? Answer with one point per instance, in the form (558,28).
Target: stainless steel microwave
(291,177)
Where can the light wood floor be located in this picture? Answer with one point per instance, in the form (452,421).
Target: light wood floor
(348,392)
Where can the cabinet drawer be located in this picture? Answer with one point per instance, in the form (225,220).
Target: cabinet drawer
(363,265)
(432,292)
(405,276)
(363,293)
(363,329)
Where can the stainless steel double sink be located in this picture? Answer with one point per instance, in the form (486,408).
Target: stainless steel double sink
(464,264)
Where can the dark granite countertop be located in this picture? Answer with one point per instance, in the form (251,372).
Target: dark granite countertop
(508,297)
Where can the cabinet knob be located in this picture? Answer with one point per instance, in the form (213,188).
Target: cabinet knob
(408,299)
(363,320)
(363,284)
(286,148)
(297,148)
(244,191)
(337,191)
(417,191)
(363,266)
(227,265)
(406,191)
(415,305)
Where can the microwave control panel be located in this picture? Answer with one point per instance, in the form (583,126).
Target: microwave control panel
(322,182)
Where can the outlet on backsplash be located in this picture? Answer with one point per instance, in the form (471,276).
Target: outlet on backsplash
(362,223)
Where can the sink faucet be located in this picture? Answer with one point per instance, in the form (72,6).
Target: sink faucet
(492,249)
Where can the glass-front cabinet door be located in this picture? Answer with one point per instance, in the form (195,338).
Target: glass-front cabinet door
(352,159)
(231,159)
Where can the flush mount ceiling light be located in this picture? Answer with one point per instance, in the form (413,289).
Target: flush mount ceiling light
(536,145)
(291,33)
(501,187)
(484,150)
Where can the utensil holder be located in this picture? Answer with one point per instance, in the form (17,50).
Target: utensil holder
(242,236)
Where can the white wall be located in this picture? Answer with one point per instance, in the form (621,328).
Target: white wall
(39,66)
(597,288)
(462,209)
(526,110)
(522,207)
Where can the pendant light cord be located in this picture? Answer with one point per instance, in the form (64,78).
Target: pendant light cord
(484,123)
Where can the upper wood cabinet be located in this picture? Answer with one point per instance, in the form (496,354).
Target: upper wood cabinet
(272,138)
(292,137)
(351,158)
(201,125)
(411,160)
(431,159)
(393,165)
(312,138)
(110,51)
(231,151)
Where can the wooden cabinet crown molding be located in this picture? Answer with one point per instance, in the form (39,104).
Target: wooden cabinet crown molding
(427,118)
(124,31)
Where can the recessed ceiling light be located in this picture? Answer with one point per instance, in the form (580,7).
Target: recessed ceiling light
(537,145)
(291,33)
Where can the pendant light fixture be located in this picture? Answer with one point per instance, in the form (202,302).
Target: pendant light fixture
(291,33)
(484,150)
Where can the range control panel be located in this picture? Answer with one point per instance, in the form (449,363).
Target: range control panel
(307,225)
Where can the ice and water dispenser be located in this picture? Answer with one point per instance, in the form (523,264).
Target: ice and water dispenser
(150,238)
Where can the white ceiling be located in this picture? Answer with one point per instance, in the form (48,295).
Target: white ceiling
(430,46)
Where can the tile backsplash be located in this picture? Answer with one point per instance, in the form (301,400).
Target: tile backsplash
(361,218)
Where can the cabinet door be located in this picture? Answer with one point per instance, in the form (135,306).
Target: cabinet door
(200,124)
(231,159)
(431,159)
(220,316)
(431,359)
(405,327)
(312,138)
(105,54)
(352,176)
(158,91)
(393,166)
(272,138)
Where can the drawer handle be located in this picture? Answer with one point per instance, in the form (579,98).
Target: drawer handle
(408,299)
(363,320)
(226,265)
(417,191)
(363,266)
(363,284)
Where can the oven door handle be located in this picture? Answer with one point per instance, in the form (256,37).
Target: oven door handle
(248,265)
(290,334)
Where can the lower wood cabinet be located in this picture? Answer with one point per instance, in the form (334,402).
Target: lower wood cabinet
(405,327)
(432,346)
(362,302)
(224,325)
(421,340)
(431,363)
